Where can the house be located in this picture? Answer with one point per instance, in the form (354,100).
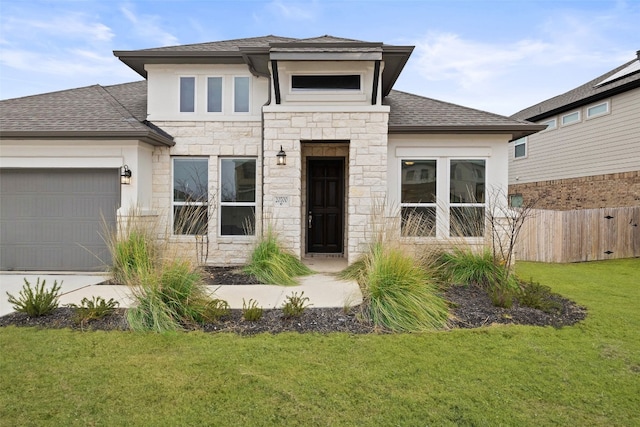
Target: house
(588,156)
(222,140)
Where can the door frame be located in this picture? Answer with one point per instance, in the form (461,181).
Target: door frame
(309,160)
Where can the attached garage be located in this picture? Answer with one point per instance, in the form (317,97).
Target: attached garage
(54,219)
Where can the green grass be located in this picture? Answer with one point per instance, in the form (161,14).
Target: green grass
(588,374)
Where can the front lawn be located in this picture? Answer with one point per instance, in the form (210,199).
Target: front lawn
(588,374)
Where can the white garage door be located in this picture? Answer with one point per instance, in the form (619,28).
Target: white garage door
(54,219)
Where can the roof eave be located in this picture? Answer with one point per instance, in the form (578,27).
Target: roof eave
(395,58)
(515,131)
(147,137)
(136,60)
(584,101)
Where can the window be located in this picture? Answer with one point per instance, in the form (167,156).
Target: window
(187,94)
(214,94)
(326,82)
(570,118)
(551,124)
(418,197)
(520,148)
(237,197)
(598,110)
(466,198)
(241,94)
(190,195)
(516,200)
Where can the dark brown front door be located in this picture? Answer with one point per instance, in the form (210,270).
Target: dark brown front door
(325,205)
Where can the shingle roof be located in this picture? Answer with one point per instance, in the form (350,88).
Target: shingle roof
(255,52)
(224,45)
(584,94)
(413,113)
(92,111)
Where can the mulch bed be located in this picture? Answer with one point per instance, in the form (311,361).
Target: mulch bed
(471,308)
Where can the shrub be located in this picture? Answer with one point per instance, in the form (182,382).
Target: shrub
(398,293)
(533,294)
(132,255)
(36,302)
(170,296)
(94,308)
(271,263)
(464,266)
(295,305)
(250,311)
(215,310)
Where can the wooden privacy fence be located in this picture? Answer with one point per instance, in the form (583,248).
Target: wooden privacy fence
(580,235)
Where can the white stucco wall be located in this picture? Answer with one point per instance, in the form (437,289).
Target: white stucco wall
(92,154)
(493,149)
(163,92)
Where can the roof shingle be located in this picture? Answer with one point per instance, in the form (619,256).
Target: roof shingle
(586,93)
(117,110)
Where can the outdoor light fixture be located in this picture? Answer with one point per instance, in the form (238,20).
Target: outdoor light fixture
(282,157)
(125,175)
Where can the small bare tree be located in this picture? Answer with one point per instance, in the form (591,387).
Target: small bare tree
(506,223)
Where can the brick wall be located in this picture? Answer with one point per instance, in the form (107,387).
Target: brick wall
(590,192)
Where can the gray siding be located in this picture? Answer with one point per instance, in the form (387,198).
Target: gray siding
(53,219)
(600,145)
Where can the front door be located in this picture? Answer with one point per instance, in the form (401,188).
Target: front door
(325,216)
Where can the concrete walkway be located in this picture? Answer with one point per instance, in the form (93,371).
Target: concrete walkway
(323,288)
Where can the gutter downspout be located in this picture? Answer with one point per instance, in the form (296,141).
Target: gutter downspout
(263,161)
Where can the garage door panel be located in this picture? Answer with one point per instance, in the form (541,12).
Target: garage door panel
(53,219)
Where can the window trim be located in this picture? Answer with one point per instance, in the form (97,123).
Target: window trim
(578,120)
(221,203)
(443,205)
(233,95)
(433,205)
(451,205)
(195,94)
(604,113)
(550,128)
(174,203)
(521,141)
(221,95)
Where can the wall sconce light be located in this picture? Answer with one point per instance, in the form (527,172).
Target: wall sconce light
(282,157)
(125,175)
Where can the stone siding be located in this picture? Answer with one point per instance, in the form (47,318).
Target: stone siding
(212,140)
(590,192)
(366,135)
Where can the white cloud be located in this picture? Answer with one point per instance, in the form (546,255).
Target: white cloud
(148,27)
(566,50)
(294,11)
(65,26)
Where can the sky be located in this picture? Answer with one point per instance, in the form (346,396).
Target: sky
(496,55)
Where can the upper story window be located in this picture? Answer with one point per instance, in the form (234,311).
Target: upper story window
(598,110)
(241,94)
(325,82)
(214,94)
(520,148)
(551,124)
(187,94)
(571,118)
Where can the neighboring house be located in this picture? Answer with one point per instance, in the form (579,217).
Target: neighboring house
(589,155)
(205,133)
